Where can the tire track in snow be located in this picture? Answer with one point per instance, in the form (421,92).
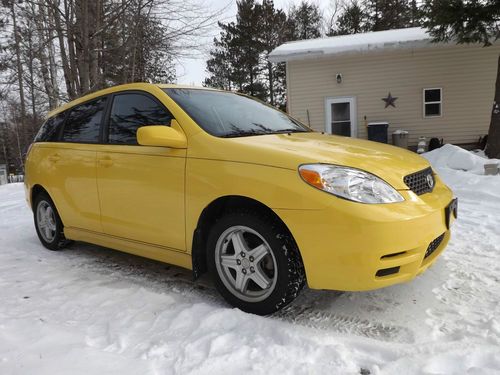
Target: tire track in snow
(159,277)
(327,321)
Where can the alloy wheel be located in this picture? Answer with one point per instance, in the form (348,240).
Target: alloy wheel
(246,264)
(46,221)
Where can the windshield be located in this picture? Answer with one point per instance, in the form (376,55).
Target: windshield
(225,114)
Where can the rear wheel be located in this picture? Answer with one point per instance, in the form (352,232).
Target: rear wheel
(255,263)
(48,224)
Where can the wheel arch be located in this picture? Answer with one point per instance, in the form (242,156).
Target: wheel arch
(35,190)
(211,213)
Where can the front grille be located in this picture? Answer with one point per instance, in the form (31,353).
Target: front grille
(434,245)
(419,182)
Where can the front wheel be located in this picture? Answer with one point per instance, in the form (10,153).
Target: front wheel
(255,263)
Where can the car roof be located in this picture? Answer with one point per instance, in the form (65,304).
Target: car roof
(129,86)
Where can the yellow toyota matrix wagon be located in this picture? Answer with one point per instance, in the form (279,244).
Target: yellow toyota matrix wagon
(219,182)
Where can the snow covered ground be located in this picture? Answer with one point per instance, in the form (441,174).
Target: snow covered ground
(90,310)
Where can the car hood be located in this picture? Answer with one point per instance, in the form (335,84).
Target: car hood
(291,150)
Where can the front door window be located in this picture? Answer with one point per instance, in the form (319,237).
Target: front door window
(341,117)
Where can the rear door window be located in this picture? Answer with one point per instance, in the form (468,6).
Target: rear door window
(49,131)
(129,112)
(84,122)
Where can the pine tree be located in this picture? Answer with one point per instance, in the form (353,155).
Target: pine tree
(416,14)
(274,30)
(467,22)
(306,21)
(219,67)
(236,57)
(352,20)
(247,46)
(388,14)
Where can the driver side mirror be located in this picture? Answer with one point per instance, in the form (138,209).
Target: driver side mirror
(162,136)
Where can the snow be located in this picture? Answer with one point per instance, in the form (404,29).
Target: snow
(91,310)
(480,153)
(414,37)
(378,123)
(456,158)
(400,131)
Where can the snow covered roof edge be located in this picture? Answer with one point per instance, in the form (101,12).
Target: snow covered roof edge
(375,40)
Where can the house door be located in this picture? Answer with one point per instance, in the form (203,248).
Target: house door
(341,116)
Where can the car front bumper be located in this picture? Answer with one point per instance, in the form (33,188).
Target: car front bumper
(352,246)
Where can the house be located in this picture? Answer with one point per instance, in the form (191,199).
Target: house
(341,84)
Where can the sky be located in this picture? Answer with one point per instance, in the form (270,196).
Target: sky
(192,70)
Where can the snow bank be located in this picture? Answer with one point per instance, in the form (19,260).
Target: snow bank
(454,157)
(463,171)
(389,39)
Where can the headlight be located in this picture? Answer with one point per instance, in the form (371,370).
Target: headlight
(349,183)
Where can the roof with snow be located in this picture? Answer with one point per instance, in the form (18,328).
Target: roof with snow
(415,37)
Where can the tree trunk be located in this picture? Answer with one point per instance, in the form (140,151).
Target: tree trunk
(135,41)
(124,46)
(271,82)
(493,145)
(251,81)
(5,156)
(83,45)
(20,82)
(69,9)
(31,72)
(70,87)
(19,64)
(94,16)
(19,148)
(47,81)
(4,139)
(53,72)
(44,40)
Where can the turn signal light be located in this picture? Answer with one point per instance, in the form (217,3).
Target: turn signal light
(311,177)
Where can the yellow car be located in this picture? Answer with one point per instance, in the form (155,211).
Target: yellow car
(219,182)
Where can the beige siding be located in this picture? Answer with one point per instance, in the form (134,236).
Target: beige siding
(465,74)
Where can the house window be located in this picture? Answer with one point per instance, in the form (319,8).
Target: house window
(433,99)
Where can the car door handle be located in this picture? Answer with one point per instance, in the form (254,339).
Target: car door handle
(54,158)
(106,161)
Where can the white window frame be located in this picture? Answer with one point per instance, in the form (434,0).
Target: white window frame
(440,102)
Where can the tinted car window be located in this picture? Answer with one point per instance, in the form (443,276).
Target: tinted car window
(83,122)
(225,114)
(130,112)
(49,132)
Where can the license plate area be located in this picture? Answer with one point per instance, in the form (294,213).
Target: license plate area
(451,210)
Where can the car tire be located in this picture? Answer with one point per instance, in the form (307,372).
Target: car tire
(254,262)
(48,224)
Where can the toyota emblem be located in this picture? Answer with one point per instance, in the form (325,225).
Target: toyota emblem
(430,181)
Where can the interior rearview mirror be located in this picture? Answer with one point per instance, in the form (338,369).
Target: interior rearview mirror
(162,136)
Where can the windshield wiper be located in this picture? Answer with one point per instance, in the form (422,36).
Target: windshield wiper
(290,131)
(246,133)
(243,133)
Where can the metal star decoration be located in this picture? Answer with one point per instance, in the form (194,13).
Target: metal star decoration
(389,100)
